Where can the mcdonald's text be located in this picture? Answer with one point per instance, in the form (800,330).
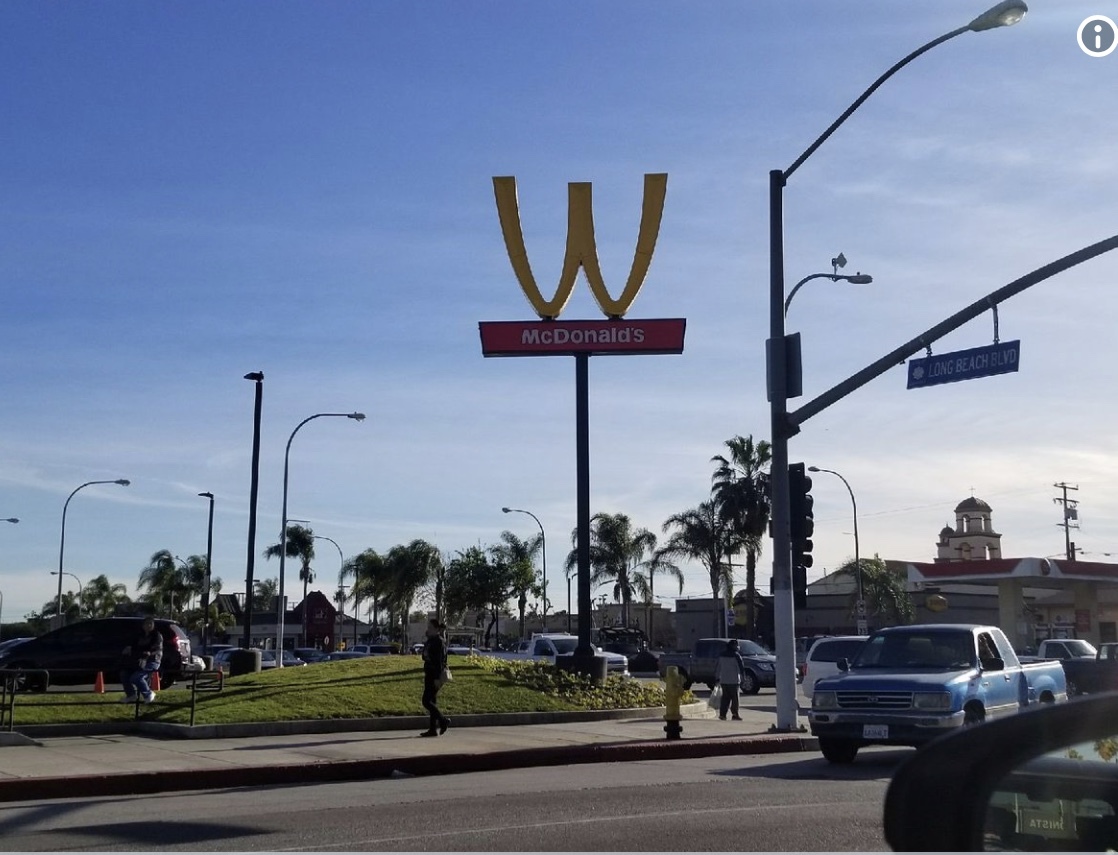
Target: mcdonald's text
(566,338)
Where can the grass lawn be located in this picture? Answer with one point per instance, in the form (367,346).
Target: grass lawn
(353,688)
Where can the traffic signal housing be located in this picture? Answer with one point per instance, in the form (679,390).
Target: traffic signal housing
(802,527)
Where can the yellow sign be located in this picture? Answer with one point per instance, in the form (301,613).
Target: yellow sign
(581,250)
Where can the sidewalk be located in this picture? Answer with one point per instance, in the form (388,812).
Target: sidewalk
(178,758)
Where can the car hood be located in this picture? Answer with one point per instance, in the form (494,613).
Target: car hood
(885,680)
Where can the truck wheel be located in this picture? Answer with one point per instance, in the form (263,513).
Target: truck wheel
(973,715)
(838,750)
(686,679)
(750,685)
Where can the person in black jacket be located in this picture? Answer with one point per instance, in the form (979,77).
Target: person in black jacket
(434,661)
(139,660)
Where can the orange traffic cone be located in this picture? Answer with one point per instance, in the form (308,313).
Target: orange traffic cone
(155,681)
(99,684)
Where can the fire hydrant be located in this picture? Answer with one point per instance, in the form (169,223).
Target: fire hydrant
(673,691)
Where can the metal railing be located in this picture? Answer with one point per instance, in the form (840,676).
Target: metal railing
(16,682)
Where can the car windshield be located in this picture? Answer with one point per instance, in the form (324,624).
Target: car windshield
(928,649)
(1080,649)
(565,645)
(751,648)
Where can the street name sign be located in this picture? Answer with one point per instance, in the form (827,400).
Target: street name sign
(1001,358)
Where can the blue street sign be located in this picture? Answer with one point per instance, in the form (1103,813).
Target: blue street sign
(987,361)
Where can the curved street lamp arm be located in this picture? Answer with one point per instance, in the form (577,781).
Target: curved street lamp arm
(895,357)
(862,98)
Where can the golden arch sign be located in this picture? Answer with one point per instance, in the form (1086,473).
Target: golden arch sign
(581,249)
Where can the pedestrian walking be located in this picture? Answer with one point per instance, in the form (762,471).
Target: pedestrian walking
(729,672)
(139,660)
(434,667)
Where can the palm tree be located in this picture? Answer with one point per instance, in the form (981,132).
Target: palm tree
(658,563)
(100,597)
(409,567)
(165,581)
(617,550)
(884,590)
(740,490)
(300,544)
(264,593)
(704,535)
(370,582)
(519,556)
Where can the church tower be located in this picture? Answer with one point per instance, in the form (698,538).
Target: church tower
(973,538)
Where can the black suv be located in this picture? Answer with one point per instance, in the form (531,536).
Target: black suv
(75,654)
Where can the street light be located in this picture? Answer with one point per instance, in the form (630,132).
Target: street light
(837,262)
(861,607)
(543,560)
(256,377)
(76,579)
(1003,14)
(209,570)
(283,530)
(11,520)
(123,482)
(341,557)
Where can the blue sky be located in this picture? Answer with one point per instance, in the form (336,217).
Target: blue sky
(190,192)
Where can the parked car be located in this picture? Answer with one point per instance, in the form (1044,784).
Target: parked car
(290,660)
(77,653)
(547,647)
(1042,780)
(698,666)
(341,655)
(371,649)
(911,684)
(823,659)
(310,654)
(12,642)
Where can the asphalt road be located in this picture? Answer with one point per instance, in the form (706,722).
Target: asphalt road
(774,802)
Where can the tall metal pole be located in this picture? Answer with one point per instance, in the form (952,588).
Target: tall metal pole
(123,482)
(283,531)
(585,648)
(861,605)
(543,553)
(1002,14)
(10,520)
(209,571)
(254,491)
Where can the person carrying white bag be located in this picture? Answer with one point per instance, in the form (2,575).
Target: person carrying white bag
(728,673)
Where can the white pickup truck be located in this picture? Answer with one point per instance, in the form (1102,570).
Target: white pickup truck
(547,646)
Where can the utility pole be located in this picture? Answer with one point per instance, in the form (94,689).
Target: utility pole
(1071,517)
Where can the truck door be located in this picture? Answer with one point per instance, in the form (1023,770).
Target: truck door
(1006,690)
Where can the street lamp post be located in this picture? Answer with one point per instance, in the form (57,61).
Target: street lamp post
(569,572)
(834,276)
(1003,14)
(283,530)
(123,482)
(11,520)
(81,596)
(543,560)
(341,558)
(256,377)
(860,608)
(209,572)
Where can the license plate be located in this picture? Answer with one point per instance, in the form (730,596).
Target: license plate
(875,731)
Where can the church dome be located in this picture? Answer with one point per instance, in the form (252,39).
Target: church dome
(972,504)
(946,531)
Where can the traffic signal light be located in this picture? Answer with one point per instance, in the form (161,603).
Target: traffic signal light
(802,526)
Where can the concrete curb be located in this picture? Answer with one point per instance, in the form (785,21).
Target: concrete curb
(146,783)
(166,730)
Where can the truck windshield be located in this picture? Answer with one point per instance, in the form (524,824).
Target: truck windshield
(565,645)
(1080,649)
(919,649)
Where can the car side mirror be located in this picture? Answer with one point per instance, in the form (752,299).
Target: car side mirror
(993,663)
(843,665)
(1043,779)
